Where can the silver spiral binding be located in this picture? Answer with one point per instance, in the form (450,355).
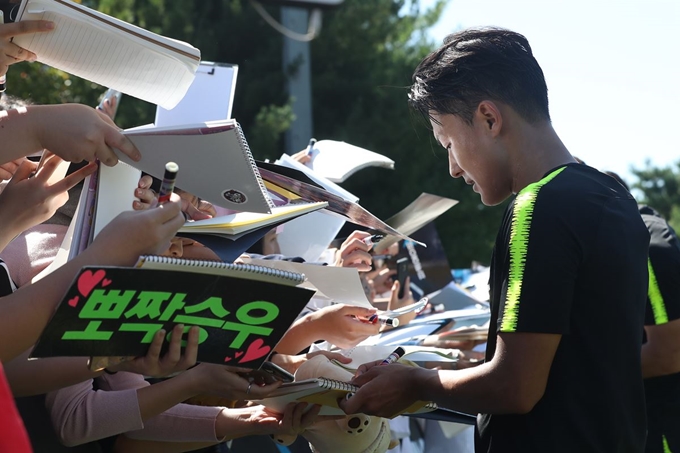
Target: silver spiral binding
(332,384)
(245,148)
(293,277)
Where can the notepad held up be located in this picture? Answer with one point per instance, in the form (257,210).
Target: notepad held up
(110,52)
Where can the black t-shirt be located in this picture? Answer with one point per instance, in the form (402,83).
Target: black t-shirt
(663,305)
(571,259)
(663,301)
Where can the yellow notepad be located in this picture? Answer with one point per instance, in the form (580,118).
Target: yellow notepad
(246,221)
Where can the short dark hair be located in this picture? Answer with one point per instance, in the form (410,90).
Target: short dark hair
(480,64)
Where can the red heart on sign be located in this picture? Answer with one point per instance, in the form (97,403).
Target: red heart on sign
(74,302)
(106,282)
(256,350)
(227,359)
(238,354)
(88,280)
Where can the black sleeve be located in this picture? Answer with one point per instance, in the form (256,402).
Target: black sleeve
(663,297)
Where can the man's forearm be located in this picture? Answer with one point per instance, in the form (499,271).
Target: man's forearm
(474,390)
(658,363)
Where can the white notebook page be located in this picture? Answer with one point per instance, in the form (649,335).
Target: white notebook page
(110,52)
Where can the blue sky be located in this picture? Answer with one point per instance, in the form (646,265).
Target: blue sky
(612,68)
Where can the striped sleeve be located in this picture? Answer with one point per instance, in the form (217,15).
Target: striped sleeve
(520,232)
(655,298)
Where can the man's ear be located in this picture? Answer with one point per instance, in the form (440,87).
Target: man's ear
(490,116)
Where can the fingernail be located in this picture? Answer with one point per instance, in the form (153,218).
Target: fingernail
(49,25)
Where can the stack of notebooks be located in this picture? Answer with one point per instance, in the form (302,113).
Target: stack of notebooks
(242,311)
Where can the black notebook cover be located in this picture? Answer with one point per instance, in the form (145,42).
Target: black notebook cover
(445,415)
(115,311)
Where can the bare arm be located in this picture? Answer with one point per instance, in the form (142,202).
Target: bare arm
(73,132)
(661,353)
(512,382)
(24,313)
(338,324)
(35,377)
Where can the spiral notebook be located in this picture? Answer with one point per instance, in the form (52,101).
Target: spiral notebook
(240,222)
(325,392)
(246,271)
(215,162)
(110,52)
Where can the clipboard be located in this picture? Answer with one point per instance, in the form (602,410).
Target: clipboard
(213,81)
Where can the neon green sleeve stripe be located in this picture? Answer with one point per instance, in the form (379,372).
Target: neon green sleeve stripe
(655,298)
(519,242)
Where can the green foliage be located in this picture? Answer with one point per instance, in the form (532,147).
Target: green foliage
(660,187)
(270,122)
(361,70)
(362,64)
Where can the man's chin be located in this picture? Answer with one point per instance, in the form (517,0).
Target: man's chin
(492,200)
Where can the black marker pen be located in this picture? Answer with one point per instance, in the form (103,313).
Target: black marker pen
(168,184)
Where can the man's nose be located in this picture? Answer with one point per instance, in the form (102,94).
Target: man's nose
(454,169)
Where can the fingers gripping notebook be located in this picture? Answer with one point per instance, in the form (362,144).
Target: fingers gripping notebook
(320,381)
(110,52)
(215,162)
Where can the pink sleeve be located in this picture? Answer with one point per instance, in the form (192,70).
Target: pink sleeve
(80,414)
(181,423)
(32,251)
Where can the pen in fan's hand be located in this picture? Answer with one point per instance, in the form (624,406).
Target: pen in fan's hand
(373,239)
(168,184)
(310,147)
(384,320)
